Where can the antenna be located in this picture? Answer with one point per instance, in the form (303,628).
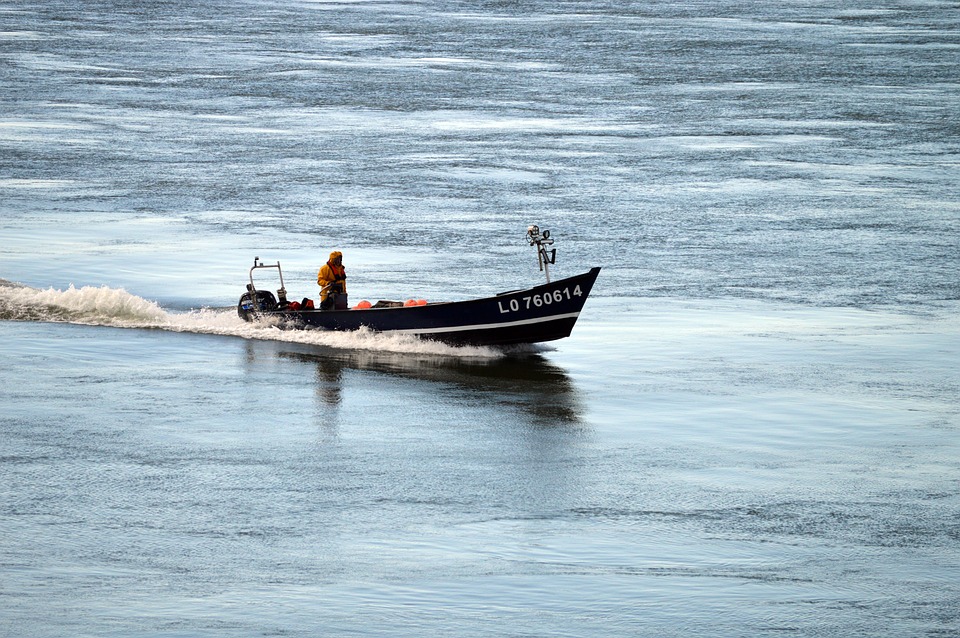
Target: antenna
(541,240)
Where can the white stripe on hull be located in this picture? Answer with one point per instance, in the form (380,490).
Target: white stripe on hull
(486,326)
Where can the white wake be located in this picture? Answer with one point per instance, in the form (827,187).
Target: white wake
(115,307)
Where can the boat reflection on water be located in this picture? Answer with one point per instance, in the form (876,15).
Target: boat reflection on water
(522,381)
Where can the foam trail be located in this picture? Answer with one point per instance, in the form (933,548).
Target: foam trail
(118,308)
(90,305)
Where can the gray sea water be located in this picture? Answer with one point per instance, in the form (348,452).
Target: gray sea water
(754,429)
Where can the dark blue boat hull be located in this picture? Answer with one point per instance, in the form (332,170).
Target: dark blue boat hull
(542,313)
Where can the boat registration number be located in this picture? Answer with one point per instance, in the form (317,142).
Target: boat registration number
(538,301)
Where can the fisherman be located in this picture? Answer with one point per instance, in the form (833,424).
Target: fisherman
(332,280)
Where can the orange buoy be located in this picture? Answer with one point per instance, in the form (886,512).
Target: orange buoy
(410,302)
(363,305)
(421,302)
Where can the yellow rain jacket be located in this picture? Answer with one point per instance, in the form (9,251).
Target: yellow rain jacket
(331,274)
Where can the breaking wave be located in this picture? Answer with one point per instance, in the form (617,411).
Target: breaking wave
(115,307)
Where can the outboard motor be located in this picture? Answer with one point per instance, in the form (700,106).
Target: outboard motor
(254,302)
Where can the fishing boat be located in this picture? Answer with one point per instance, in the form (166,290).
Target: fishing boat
(544,312)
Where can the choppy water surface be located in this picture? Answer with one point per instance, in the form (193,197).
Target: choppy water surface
(752,431)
